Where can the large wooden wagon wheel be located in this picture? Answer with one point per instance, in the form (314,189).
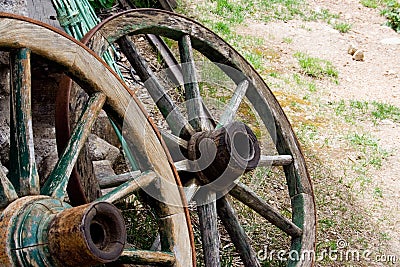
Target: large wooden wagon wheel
(230,147)
(38,228)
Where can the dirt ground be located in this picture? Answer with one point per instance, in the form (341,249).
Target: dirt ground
(377,78)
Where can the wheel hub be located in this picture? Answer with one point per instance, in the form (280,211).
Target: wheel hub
(42,231)
(223,155)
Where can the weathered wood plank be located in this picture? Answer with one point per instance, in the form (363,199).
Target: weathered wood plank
(129,187)
(144,257)
(23,170)
(238,236)
(43,10)
(57,182)
(194,103)
(245,195)
(209,230)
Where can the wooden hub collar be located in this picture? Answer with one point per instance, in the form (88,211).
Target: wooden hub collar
(223,155)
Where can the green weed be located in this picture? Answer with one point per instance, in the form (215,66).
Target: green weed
(342,27)
(287,40)
(392,13)
(386,111)
(370,3)
(316,67)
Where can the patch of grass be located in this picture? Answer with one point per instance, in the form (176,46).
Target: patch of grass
(315,67)
(355,110)
(322,14)
(222,28)
(378,192)
(370,3)
(282,9)
(342,27)
(232,11)
(375,3)
(363,140)
(312,87)
(372,155)
(287,40)
(392,14)
(385,111)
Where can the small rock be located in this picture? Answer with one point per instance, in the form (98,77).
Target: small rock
(103,129)
(103,169)
(352,49)
(358,55)
(100,149)
(46,156)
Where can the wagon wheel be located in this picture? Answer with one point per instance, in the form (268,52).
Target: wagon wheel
(38,228)
(185,135)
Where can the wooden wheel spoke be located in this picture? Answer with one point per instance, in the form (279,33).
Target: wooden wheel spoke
(117,180)
(182,165)
(238,236)
(57,182)
(23,170)
(198,117)
(230,111)
(165,104)
(278,160)
(146,257)
(173,140)
(209,231)
(245,195)
(7,191)
(129,187)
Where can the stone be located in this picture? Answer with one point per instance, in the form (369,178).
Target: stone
(103,129)
(100,149)
(14,6)
(46,156)
(352,49)
(358,55)
(103,169)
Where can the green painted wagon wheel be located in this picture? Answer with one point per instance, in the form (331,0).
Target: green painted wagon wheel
(193,40)
(38,228)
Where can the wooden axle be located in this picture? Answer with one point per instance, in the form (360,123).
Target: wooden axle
(43,231)
(221,156)
(87,235)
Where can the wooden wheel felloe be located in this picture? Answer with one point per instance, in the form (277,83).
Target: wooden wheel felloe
(279,148)
(38,227)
